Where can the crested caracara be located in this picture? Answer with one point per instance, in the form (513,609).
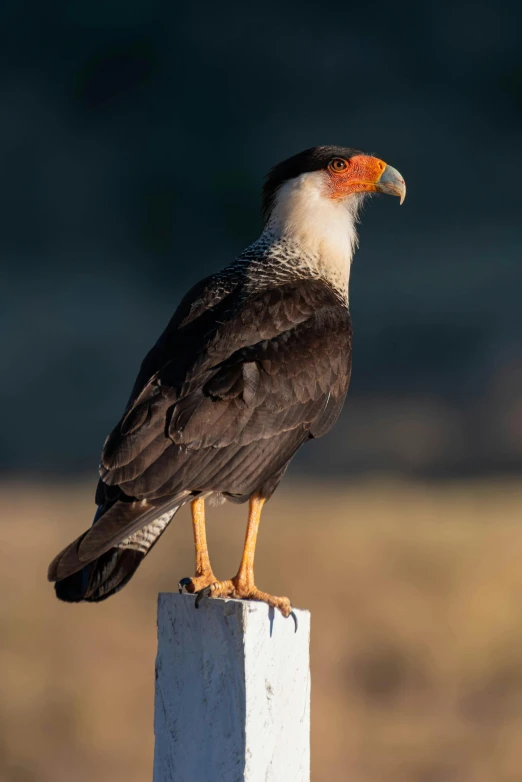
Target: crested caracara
(254,363)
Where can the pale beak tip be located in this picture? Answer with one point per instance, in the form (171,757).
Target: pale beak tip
(391,182)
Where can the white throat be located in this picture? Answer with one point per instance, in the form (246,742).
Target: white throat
(323,228)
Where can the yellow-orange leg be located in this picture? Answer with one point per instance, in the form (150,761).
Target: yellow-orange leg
(204,574)
(242,585)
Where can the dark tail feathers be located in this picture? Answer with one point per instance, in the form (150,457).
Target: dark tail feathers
(101,578)
(114,558)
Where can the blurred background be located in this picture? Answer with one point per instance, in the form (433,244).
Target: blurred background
(134,138)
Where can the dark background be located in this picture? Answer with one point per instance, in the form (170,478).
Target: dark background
(134,138)
(133,142)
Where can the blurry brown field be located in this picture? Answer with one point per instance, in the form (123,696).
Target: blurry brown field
(416,599)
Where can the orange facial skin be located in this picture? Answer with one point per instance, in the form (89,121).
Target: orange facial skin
(361,175)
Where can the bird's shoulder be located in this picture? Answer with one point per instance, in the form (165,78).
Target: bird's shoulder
(226,312)
(256,366)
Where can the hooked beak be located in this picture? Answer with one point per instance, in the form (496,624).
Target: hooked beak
(391,183)
(368,174)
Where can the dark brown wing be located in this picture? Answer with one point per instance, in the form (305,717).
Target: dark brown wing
(235,385)
(239,388)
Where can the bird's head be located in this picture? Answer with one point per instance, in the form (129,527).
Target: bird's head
(336,174)
(312,201)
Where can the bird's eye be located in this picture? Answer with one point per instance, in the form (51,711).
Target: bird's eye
(338,164)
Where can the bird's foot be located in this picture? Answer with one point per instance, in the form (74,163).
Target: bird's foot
(198,583)
(244,590)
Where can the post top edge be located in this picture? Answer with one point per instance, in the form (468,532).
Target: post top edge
(250,606)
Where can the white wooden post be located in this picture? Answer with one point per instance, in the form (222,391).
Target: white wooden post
(232,692)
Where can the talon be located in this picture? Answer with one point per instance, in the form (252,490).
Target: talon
(294,617)
(182,584)
(201,594)
(285,606)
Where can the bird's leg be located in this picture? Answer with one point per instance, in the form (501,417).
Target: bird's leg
(242,585)
(204,574)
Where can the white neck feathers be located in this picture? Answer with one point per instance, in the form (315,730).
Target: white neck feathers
(323,228)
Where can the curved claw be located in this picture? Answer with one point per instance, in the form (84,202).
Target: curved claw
(294,617)
(182,584)
(201,594)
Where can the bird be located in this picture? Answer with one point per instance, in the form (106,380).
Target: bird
(254,363)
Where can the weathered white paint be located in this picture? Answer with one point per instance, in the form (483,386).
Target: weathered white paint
(232,693)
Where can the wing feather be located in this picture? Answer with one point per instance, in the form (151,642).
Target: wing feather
(232,389)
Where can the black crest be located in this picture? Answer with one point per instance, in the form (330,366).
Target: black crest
(312,159)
